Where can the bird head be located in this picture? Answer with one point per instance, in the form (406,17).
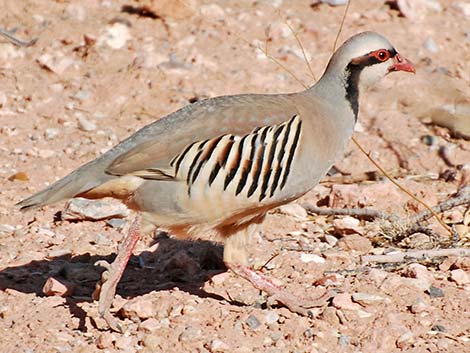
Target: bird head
(367,57)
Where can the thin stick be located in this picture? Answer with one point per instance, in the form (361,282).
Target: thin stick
(299,43)
(341,25)
(355,212)
(416,255)
(389,177)
(16,41)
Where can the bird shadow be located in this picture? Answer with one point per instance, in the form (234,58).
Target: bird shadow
(181,264)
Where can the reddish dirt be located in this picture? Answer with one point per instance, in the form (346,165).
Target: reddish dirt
(177,294)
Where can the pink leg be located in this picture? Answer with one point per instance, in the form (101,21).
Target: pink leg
(106,289)
(264,283)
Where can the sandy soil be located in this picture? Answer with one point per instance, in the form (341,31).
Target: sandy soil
(98,73)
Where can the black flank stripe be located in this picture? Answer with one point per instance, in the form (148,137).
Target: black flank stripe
(235,165)
(291,153)
(269,168)
(226,151)
(193,164)
(180,158)
(214,173)
(208,153)
(280,157)
(259,163)
(247,166)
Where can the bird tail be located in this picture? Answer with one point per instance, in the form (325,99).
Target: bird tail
(79,181)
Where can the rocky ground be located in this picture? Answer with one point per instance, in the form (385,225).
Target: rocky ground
(100,70)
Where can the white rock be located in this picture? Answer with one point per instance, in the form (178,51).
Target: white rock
(271,317)
(347,225)
(430,45)
(3,99)
(83,209)
(115,36)
(213,12)
(335,2)
(85,125)
(306,258)
(294,210)
(76,11)
(57,63)
(460,276)
(463,7)
(51,133)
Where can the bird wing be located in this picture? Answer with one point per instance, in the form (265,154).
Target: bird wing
(151,153)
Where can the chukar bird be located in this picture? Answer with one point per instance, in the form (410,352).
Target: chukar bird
(215,167)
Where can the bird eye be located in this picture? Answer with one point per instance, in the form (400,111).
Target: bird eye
(382,55)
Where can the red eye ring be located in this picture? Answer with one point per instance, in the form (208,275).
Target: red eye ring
(381,54)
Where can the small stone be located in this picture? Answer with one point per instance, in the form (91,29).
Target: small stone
(104,340)
(405,339)
(335,2)
(51,133)
(141,307)
(418,271)
(189,334)
(253,322)
(343,301)
(220,278)
(330,239)
(85,125)
(117,223)
(435,292)
(79,209)
(114,36)
(271,317)
(344,341)
(294,210)
(54,287)
(152,342)
(460,277)
(430,45)
(438,328)
(419,306)
(347,225)
(21,176)
(6,228)
(429,140)
(150,325)
(306,258)
(123,342)
(218,346)
(366,298)
(463,7)
(213,12)
(82,95)
(57,64)
(355,242)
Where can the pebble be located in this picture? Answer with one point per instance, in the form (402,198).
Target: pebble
(344,340)
(140,307)
(307,258)
(418,271)
(51,133)
(104,340)
(343,301)
(124,343)
(152,342)
(419,306)
(355,242)
(6,228)
(366,298)
(430,45)
(54,287)
(294,210)
(57,63)
(117,223)
(271,317)
(438,328)
(213,12)
(460,277)
(335,2)
(79,209)
(85,125)
(114,36)
(435,292)
(253,322)
(150,325)
(347,225)
(463,7)
(405,339)
(189,334)
(217,345)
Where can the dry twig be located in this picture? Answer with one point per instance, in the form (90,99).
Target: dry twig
(416,255)
(16,41)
